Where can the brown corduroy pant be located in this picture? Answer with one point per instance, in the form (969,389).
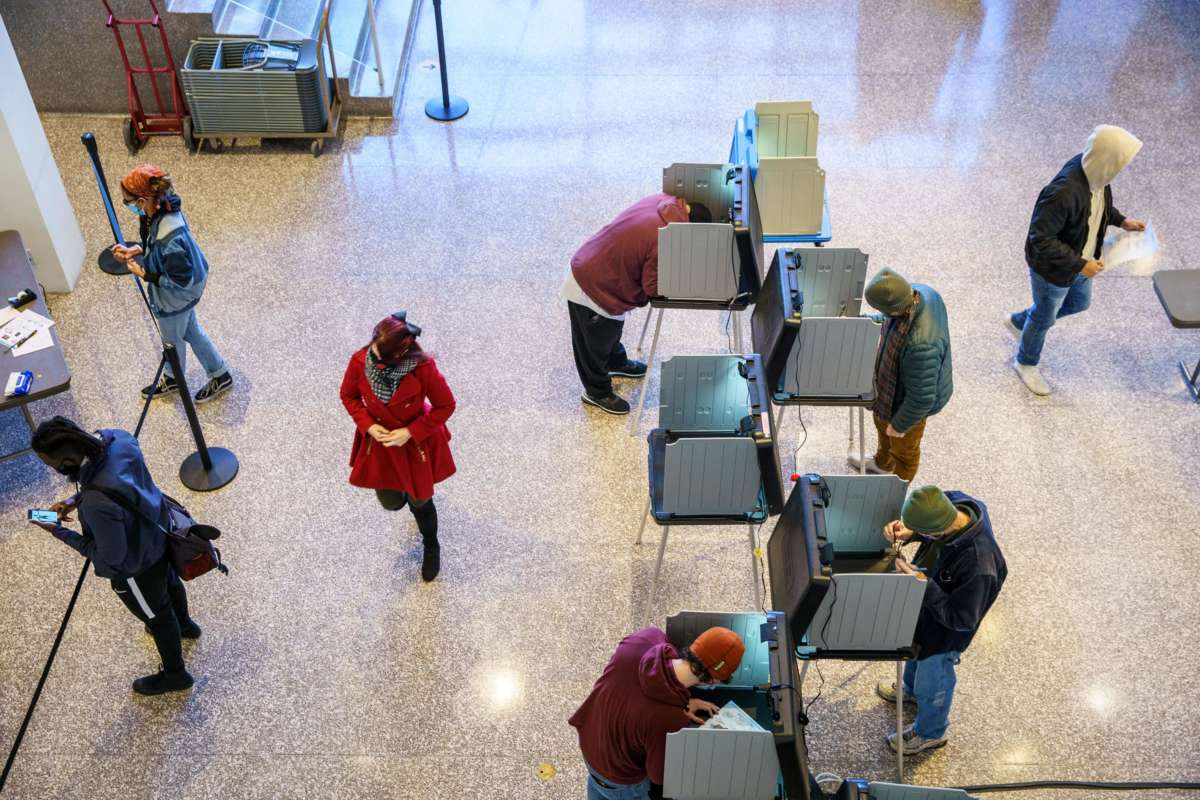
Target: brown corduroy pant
(900,455)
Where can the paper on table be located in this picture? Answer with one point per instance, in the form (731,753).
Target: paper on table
(37,319)
(1131,252)
(732,718)
(39,341)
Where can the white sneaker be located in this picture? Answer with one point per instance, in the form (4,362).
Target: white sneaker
(1010,327)
(872,468)
(1032,378)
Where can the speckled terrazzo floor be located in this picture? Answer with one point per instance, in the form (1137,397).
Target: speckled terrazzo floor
(328,670)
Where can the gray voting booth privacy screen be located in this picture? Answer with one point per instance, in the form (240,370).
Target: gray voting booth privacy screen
(698,261)
(703,393)
(708,476)
(901,791)
(833,357)
(830,279)
(702,183)
(786,128)
(859,507)
(868,612)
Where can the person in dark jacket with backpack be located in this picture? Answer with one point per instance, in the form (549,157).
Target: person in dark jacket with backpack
(965,570)
(1062,249)
(123,544)
(170,262)
(913,371)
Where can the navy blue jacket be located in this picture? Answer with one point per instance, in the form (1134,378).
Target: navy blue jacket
(963,584)
(118,542)
(1059,227)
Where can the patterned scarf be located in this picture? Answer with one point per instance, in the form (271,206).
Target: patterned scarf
(384,378)
(887,364)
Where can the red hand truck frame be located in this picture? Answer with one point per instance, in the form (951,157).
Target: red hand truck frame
(141,126)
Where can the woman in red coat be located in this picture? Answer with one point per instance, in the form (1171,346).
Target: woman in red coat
(400,404)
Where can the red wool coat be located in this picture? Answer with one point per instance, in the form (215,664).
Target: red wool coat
(425,460)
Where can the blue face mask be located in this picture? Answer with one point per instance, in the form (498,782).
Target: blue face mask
(134,208)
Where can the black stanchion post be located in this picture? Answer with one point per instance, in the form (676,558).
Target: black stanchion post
(446,108)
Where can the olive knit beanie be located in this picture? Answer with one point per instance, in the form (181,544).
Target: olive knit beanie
(889,293)
(928,511)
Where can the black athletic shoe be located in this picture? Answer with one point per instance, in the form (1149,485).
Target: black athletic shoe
(162,682)
(214,388)
(610,404)
(165,387)
(431,564)
(630,369)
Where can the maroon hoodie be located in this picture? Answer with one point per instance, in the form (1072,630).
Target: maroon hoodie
(618,267)
(637,701)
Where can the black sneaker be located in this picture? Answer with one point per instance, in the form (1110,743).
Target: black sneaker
(610,403)
(630,369)
(162,682)
(215,388)
(165,387)
(431,563)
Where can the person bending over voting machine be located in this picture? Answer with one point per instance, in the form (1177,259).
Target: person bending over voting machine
(614,271)
(1062,249)
(913,371)
(176,272)
(962,562)
(125,548)
(640,698)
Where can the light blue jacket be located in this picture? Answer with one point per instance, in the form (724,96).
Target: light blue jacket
(176,270)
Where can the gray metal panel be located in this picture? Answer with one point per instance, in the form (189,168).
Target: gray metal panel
(755,669)
(752,219)
(701,183)
(832,280)
(868,612)
(708,764)
(859,507)
(833,357)
(702,393)
(697,261)
(786,128)
(791,195)
(711,475)
(901,791)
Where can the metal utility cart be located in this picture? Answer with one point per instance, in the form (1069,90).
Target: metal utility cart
(246,87)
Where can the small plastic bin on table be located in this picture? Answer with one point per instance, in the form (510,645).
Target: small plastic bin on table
(713,266)
(778,142)
(817,347)
(713,459)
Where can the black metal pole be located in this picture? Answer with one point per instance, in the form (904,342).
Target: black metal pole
(189,408)
(37,693)
(450,108)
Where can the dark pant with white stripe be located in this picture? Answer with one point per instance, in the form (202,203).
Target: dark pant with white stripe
(596,341)
(156,596)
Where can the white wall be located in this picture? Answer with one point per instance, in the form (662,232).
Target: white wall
(33,200)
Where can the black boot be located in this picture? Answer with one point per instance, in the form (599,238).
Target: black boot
(163,681)
(427,524)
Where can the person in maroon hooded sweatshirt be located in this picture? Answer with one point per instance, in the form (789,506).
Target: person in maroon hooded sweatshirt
(400,403)
(640,698)
(613,272)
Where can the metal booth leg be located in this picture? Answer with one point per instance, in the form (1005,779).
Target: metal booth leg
(645,326)
(1192,380)
(637,417)
(900,722)
(862,442)
(645,516)
(662,548)
(735,319)
(850,445)
(758,603)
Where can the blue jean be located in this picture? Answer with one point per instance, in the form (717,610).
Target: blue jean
(1050,303)
(930,682)
(184,327)
(630,791)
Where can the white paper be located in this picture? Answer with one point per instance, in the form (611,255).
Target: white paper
(17,330)
(37,319)
(7,313)
(39,341)
(732,718)
(1131,252)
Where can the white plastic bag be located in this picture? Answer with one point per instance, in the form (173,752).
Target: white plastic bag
(1131,252)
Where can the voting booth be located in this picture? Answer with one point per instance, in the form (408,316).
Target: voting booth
(713,459)
(778,142)
(716,266)
(854,789)
(816,346)
(714,764)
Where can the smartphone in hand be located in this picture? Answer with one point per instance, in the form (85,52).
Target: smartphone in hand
(43,516)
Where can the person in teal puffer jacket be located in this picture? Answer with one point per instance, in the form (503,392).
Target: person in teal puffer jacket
(913,375)
(176,273)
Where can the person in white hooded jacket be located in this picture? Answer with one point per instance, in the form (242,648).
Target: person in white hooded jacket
(1063,245)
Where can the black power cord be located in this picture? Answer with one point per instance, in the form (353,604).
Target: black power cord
(1107,785)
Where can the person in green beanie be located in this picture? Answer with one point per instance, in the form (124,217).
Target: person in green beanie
(964,569)
(913,374)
